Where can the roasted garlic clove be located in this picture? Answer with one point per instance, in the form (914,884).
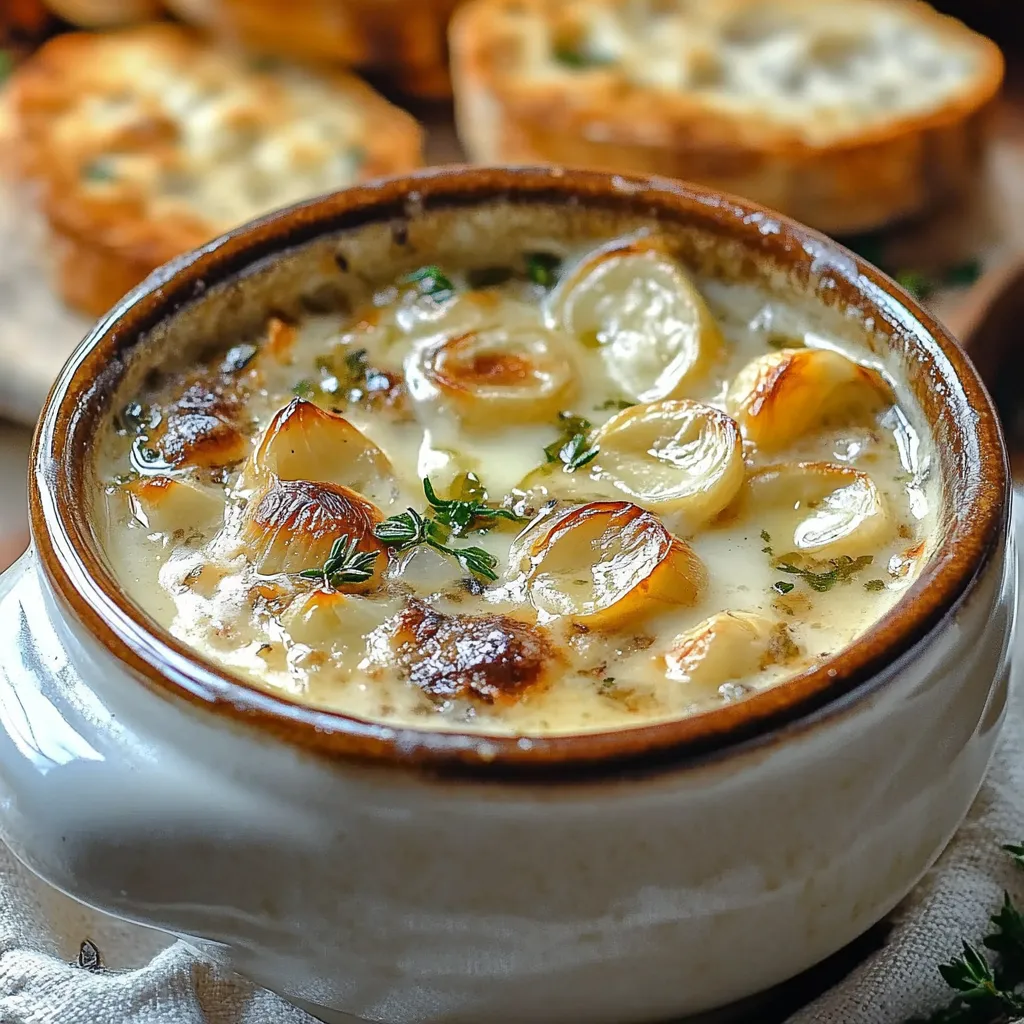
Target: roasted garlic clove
(641,310)
(781,395)
(728,646)
(166,504)
(605,563)
(497,376)
(290,526)
(305,442)
(324,618)
(819,508)
(201,429)
(676,457)
(489,658)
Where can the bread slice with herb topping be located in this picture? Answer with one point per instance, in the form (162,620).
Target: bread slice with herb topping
(104,13)
(403,39)
(846,114)
(143,144)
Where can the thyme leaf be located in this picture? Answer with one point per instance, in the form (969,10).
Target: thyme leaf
(430,280)
(345,564)
(843,569)
(987,992)
(463,515)
(572,448)
(450,518)
(543,268)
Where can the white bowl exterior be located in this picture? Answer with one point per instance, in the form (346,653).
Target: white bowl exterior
(395,896)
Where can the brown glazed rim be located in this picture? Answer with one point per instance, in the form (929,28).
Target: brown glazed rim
(69,556)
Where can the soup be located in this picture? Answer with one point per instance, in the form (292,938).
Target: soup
(580,489)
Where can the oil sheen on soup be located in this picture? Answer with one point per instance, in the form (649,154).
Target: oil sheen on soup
(582,491)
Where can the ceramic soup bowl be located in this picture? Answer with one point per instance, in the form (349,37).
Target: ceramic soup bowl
(404,875)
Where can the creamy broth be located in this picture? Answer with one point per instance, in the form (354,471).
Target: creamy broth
(669,493)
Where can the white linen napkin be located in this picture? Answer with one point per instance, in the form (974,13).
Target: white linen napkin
(149,980)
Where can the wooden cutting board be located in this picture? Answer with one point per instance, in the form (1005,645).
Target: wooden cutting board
(37,333)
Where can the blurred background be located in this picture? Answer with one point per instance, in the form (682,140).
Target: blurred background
(132,130)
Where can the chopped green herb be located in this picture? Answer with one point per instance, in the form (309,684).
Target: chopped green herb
(572,57)
(767,538)
(843,569)
(542,268)
(304,389)
(431,281)
(238,358)
(1016,852)
(875,585)
(782,587)
(98,170)
(918,284)
(615,403)
(487,277)
(572,449)
(346,564)
(356,367)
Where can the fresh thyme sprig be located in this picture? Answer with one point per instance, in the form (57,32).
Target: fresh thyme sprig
(843,568)
(987,993)
(346,564)
(409,529)
(573,449)
(450,518)
(463,515)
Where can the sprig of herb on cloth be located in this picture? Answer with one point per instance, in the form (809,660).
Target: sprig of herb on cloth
(449,518)
(345,564)
(987,992)
(573,448)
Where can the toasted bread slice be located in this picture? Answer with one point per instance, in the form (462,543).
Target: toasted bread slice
(146,143)
(846,114)
(405,39)
(104,13)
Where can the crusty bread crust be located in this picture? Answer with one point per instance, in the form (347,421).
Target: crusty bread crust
(124,180)
(405,39)
(104,13)
(849,181)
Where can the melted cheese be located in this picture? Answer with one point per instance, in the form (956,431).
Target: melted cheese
(652,558)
